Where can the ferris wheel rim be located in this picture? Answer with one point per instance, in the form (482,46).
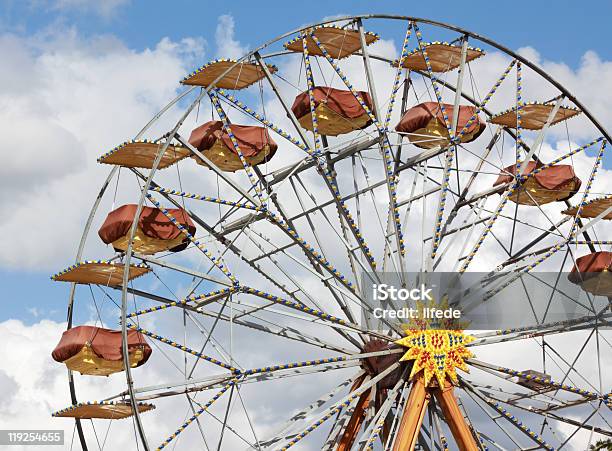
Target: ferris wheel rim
(251,53)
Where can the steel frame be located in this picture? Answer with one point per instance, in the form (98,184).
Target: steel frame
(335,285)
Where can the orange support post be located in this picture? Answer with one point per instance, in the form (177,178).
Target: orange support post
(412,418)
(454,418)
(354,424)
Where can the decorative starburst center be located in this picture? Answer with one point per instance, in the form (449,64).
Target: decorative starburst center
(437,352)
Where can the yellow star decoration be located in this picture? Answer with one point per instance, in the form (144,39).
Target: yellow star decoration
(437,352)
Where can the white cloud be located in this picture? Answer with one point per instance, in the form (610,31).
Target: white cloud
(104,8)
(227,45)
(590,82)
(67,99)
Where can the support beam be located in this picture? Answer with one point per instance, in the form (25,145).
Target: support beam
(284,104)
(354,425)
(412,419)
(454,418)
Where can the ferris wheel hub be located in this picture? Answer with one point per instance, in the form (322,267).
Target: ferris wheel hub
(438,353)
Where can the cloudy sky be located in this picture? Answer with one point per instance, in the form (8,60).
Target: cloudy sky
(80,76)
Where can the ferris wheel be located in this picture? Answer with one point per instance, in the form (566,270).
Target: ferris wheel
(241,248)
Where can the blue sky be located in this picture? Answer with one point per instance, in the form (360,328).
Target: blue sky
(561,33)
(563,30)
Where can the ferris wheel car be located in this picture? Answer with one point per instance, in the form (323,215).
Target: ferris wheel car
(592,208)
(142,154)
(534,115)
(426,126)
(551,184)
(227,74)
(338,42)
(337,111)
(443,57)
(96,351)
(109,410)
(156,232)
(213,140)
(99,272)
(593,272)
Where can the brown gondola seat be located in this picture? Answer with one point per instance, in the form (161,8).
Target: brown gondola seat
(96,351)
(337,111)
(534,115)
(427,128)
(213,141)
(553,184)
(338,42)
(592,208)
(155,232)
(443,57)
(593,272)
(142,154)
(227,74)
(99,272)
(108,410)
